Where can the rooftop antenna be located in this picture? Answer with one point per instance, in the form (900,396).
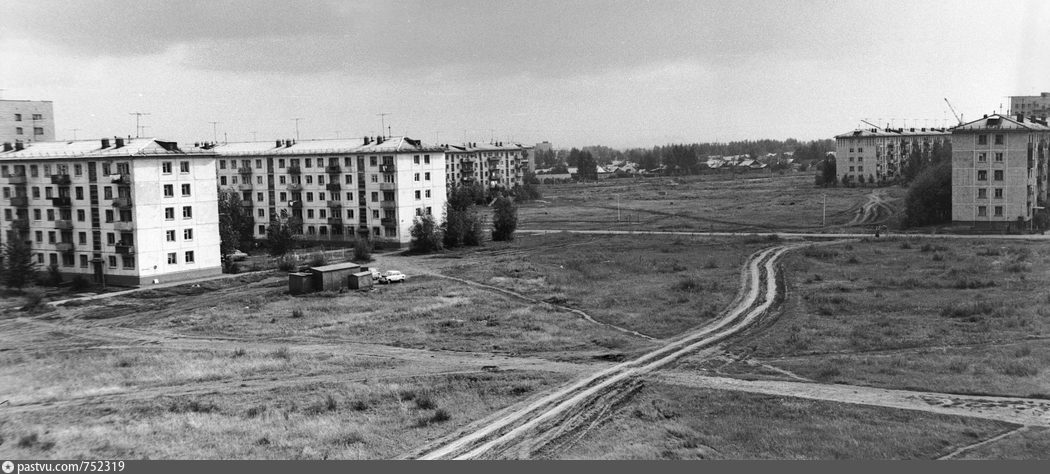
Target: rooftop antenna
(382,121)
(74,130)
(297,119)
(214,131)
(137,116)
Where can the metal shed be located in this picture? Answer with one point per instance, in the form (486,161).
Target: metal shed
(333,277)
(299,283)
(361,280)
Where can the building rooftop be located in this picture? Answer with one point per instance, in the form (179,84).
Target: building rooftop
(1004,122)
(97,148)
(893,132)
(482,147)
(323,146)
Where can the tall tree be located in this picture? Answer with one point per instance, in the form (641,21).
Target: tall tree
(504,219)
(587,167)
(280,234)
(426,237)
(19,267)
(929,198)
(828,171)
(235,223)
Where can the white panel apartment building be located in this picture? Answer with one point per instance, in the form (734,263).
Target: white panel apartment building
(340,190)
(999,171)
(26,121)
(1031,105)
(122,212)
(881,153)
(495,165)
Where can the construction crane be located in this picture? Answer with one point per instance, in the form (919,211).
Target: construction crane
(869,123)
(956,114)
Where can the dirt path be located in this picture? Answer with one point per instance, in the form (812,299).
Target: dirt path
(1022,411)
(875,211)
(497,435)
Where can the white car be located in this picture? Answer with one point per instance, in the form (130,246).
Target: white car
(391,276)
(375,274)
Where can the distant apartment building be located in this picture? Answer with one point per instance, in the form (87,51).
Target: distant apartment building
(542,147)
(1031,105)
(26,121)
(122,211)
(336,190)
(882,153)
(999,171)
(496,165)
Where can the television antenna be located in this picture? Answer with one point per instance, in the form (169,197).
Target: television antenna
(137,116)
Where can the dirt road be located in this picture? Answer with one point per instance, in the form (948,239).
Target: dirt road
(875,211)
(497,435)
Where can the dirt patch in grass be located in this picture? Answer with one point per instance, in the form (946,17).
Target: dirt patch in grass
(963,323)
(671,422)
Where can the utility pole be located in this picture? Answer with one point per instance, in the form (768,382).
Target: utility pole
(824,216)
(214,131)
(137,116)
(75,130)
(297,119)
(382,121)
(617,207)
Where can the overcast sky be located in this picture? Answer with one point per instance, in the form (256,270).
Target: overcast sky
(622,74)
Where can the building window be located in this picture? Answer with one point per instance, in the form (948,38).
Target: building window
(170,235)
(428,193)
(185,190)
(998,211)
(222,181)
(129,262)
(79,191)
(309,213)
(375,214)
(81,215)
(262,229)
(187,212)
(107,193)
(426,176)
(38,131)
(165,167)
(189,256)
(169,213)
(309,197)
(982,175)
(172,258)
(982,139)
(262,213)
(416,177)
(426,159)
(982,157)
(18,117)
(82,237)
(372,161)
(417,194)
(999,139)
(222,164)
(83,261)
(998,175)
(18,130)
(38,117)
(112,261)
(982,193)
(375,196)
(169,190)
(998,157)
(111,238)
(998,193)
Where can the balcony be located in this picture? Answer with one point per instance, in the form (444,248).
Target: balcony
(335,204)
(387,168)
(64,247)
(22,224)
(16,178)
(61,179)
(387,186)
(244,170)
(388,204)
(61,201)
(334,187)
(246,203)
(294,169)
(388,222)
(122,202)
(121,178)
(335,221)
(64,224)
(295,187)
(124,226)
(244,187)
(123,249)
(333,169)
(19,201)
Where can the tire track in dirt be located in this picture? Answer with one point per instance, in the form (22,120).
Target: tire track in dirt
(875,211)
(973,446)
(499,433)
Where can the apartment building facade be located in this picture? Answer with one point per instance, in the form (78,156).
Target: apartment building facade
(123,212)
(882,154)
(1031,105)
(26,121)
(999,171)
(496,165)
(336,190)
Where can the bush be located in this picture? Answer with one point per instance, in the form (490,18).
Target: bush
(34,298)
(297,313)
(54,276)
(426,236)
(239,352)
(504,219)
(929,198)
(424,402)
(287,264)
(318,260)
(362,251)
(79,283)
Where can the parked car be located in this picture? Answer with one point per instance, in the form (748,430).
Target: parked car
(391,276)
(236,255)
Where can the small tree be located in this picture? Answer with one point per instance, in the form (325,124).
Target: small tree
(280,235)
(426,237)
(504,219)
(19,267)
(362,250)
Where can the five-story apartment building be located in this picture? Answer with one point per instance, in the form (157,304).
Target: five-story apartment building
(882,154)
(496,165)
(121,211)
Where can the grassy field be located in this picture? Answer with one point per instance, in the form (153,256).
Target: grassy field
(1033,443)
(659,286)
(788,203)
(954,316)
(672,422)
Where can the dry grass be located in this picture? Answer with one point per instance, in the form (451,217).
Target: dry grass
(345,420)
(748,203)
(672,422)
(1033,443)
(965,322)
